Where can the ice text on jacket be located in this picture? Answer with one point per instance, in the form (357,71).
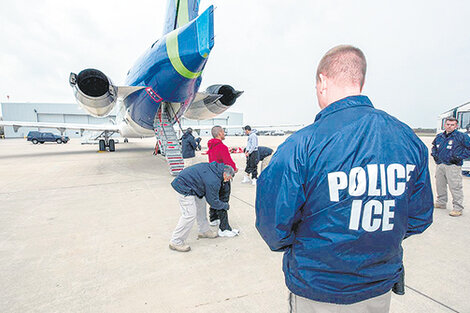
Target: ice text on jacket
(375,180)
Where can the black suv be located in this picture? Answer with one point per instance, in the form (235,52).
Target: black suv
(35,137)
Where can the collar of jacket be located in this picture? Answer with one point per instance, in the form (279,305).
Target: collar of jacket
(348,102)
(447,135)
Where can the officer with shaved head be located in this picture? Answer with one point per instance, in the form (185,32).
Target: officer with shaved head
(340,195)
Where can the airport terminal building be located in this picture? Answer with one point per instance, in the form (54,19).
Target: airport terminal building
(47,112)
(72,113)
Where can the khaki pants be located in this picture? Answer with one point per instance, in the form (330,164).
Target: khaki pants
(190,161)
(265,162)
(380,304)
(192,208)
(449,175)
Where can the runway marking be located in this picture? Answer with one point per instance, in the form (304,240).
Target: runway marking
(228,299)
(432,299)
(242,200)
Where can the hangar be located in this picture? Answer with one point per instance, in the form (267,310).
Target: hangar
(47,112)
(73,114)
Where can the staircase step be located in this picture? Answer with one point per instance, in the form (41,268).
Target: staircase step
(169,142)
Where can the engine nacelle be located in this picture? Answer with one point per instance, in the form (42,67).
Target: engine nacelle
(94,91)
(214,101)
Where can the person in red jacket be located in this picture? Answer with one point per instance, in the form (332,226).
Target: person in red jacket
(219,153)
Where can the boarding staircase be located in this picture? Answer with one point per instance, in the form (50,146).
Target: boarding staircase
(167,141)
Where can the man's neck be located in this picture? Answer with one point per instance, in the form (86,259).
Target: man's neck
(338,93)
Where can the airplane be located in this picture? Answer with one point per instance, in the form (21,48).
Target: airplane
(160,88)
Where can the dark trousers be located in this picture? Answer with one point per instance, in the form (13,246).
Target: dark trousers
(222,215)
(252,164)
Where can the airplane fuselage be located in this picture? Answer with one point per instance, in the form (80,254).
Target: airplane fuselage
(170,70)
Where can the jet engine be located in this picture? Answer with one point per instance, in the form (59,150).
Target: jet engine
(214,101)
(94,91)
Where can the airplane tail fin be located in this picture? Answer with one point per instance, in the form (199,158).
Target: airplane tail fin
(179,13)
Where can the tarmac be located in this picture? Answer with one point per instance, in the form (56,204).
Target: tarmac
(82,231)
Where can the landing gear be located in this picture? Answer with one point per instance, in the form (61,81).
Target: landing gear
(102,145)
(126,140)
(106,142)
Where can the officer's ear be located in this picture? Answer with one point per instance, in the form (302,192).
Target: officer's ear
(321,84)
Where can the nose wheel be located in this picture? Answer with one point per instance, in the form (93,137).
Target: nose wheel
(111,145)
(107,143)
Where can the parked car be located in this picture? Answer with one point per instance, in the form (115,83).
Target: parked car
(39,137)
(278,133)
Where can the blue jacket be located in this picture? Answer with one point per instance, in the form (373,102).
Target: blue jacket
(264,152)
(202,180)
(452,148)
(188,145)
(338,198)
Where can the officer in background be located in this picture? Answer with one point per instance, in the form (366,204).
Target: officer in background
(265,154)
(339,200)
(189,145)
(449,149)
(195,186)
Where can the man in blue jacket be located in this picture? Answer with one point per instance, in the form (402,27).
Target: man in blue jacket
(264,156)
(449,149)
(188,146)
(341,194)
(193,184)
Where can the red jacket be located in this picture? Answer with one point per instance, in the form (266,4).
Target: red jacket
(219,153)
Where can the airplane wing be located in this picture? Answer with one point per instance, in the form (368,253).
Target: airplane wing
(61,126)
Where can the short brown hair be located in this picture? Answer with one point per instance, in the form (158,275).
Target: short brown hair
(345,63)
(452,119)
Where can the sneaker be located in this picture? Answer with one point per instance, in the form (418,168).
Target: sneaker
(229,233)
(455,213)
(207,234)
(439,206)
(180,248)
(215,223)
(253,181)
(246,180)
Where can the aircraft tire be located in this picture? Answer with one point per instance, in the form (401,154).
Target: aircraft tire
(126,140)
(112,147)
(102,145)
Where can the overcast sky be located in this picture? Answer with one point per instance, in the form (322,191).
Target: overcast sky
(418,52)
